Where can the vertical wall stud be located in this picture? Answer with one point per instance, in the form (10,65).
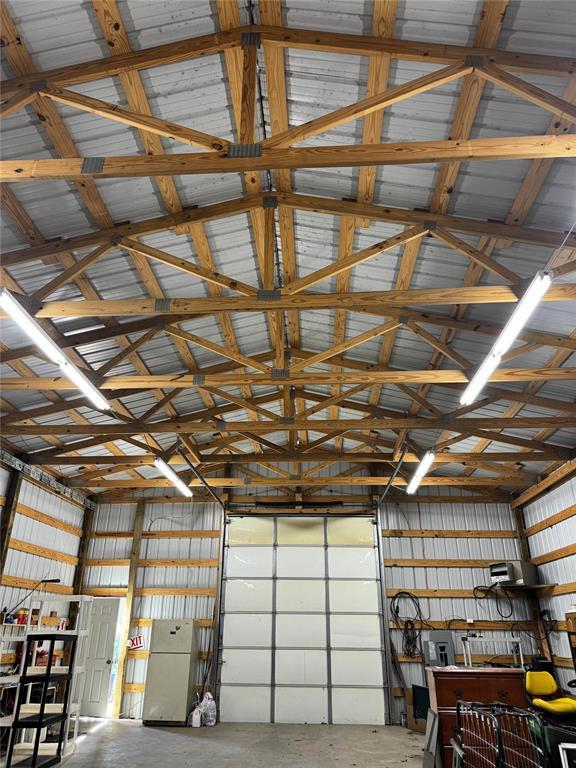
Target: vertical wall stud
(129,610)
(8,515)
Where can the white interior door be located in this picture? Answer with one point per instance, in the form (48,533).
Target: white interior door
(100,657)
(301,622)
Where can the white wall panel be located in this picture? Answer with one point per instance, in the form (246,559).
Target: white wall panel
(558,571)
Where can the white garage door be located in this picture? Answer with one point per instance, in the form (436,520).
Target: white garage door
(301,623)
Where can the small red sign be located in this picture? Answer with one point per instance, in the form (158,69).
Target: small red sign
(136,643)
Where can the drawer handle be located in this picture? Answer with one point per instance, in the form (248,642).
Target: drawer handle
(458,692)
(503,694)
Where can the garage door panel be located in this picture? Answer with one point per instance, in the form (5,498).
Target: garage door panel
(249,561)
(350,531)
(244,704)
(357,706)
(296,667)
(300,562)
(357,596)
(353,562)
(250,530)
(299,530)
(248,595)
(246,666)
(355,631)
(301,705)
(248,629)
(300,631)
(301,596)
(356,668)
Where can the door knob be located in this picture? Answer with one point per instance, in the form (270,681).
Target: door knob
(108,661)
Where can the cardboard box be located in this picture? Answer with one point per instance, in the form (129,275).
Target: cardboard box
(414,723)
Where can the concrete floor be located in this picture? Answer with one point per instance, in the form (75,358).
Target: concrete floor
(128,743)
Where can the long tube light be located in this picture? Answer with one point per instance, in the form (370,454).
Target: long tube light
(50,349)
(169,473)
(425,463)
(518,319)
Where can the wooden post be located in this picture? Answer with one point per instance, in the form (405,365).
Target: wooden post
(8,515)
(541,637)
(128,613)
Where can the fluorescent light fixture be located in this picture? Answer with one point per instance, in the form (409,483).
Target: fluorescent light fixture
(85,385)
(522,312)
(26,322)
(508,335)
(50,349)
(173,477)
(425,463)
(477,382)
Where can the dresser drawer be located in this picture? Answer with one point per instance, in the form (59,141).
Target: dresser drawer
(452,688)
(507,690)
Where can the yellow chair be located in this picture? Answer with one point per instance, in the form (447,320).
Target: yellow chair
(546,696)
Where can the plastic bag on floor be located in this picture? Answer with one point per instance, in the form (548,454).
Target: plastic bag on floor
(208,709)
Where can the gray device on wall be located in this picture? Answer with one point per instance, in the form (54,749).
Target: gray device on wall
(439,649)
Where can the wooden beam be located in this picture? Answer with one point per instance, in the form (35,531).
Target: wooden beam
(129,607)
(108,234)
(498,76)
(475,255)
(159,55)
(230,354)
(38,551)
(560,474)
(549,522)
(89,337)
(410,533)
(357,45)
(320,482)
(555,554)
(373,212)
(187,266)
(409,50)
(144,122)
(248,94)
(289,456)
(353,260)
(87,528)
(509,148)
(493,294)
(30,584)
(368,105)
(186,381)
(49,520)
(72,272)
(9,509)
(287,201)
(185,426)
(179,591)
(243,404)
(182,534)
(337,349)
(415,562)
(453,593)
(21,97)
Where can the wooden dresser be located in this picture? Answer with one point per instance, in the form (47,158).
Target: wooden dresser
(483,684)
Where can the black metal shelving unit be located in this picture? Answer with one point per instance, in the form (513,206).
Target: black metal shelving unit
(42,719)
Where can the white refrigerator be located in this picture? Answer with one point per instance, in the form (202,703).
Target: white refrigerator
(172,669)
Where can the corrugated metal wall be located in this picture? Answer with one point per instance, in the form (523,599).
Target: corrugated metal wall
(399,519)
(51,526)
(549,544)
(160,519)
